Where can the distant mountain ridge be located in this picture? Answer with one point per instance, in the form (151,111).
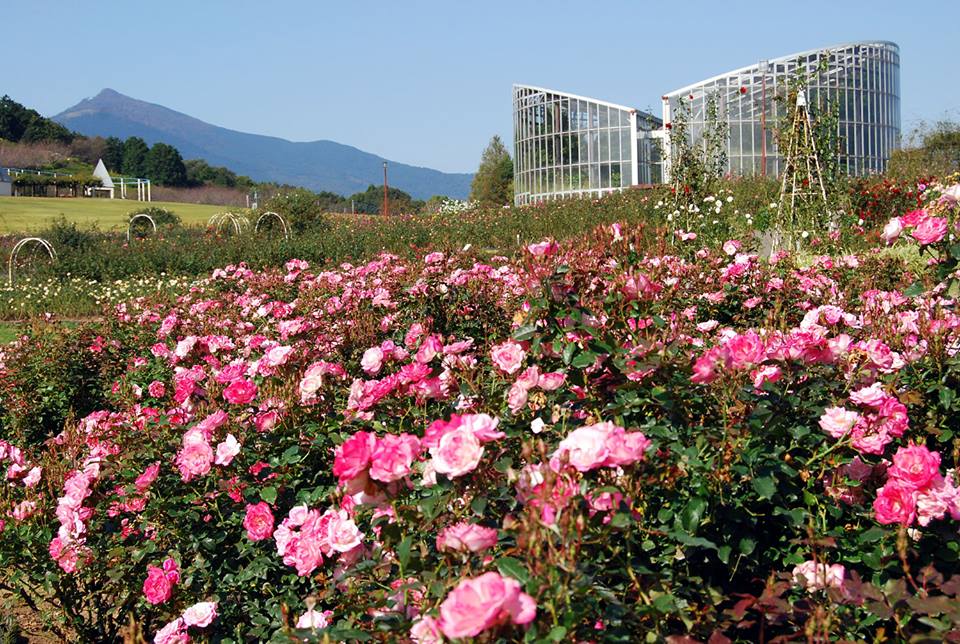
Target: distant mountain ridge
(317,165)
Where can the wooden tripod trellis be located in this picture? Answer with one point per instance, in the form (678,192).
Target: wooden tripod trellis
(802,176)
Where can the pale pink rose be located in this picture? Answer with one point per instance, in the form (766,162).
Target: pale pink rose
(466,536)
(625,448)
(240,392)
(746,349)
(730,247)
(936,500)
(227,450)
(483,426)
(258,521)
(543,249)
(266,421)
(517,397)
(393,456)
(174,632)
(156,389)
(32,477)
(314,619)
(814,576)
(892,230)
(915,466)
(551,381)
(484,602)
(278,355)
(201,614)
(585,448)
(872,396)
(342,533)
(372,360)
(837,421)
(457,453)
(426,630)
(24,510)
(529,377)
(508,356)
(930,230)
(895,503)
(352,457)
(431,346)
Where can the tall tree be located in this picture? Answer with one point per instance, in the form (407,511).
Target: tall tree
(493,182)
(164,165)
(135,152)
(113,154)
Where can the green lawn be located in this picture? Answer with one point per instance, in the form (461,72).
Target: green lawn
(8,332)
(29,214)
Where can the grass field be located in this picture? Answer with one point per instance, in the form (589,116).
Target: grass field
(29,214)
(8,332)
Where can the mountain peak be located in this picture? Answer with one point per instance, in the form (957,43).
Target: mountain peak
(318,165)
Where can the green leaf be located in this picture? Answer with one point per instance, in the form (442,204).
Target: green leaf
(914,289)
(269,494)
(525,332)
(557,634)
(620,520)
(513,568)
(764,486)
(692,514)
(747,545)
(584,359)
(403,552)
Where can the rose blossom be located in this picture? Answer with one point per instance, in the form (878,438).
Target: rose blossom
(895,503)
(147,478)
(837,421)
(258,521)
(227,450)
(466,536)
(892,230)
(174,632)
(195,457)
(930,230)
(314,619)
(392,457)
(156,389)
(342,533)
(457,453)
(372,360)
(915,466)
(508,356)
(814,576)
(201,614)
(352,457)
(240,392)
(484,602)
(426,631)
(158,586)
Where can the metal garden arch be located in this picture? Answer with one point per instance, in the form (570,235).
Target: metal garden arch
(23,243)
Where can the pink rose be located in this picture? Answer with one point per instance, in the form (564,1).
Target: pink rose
(484,602)
(200,615)
(227,450)
(342,533)
(517,397)
(837,421)
(32,477)
(426,630)
(508,356)
(915,466)
(393,456)
(352,457)
(457,453)
(746,349)
(466,536)
(731,246)
(930,230)
(543,249)
(157,587)
(585,447)
(147,478)
(156,389)
(259,521)
(195,457)
(814,576)
(174,632)
(895,503)
(372,360)
(314,619)
(278,355)
(872,396)
(892,230)
(551,381)
(483,426)
(240,392)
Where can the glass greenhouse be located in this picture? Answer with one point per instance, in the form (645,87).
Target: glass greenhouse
(567,145)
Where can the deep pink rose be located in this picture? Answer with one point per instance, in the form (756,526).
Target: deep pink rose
(457,453)
(466,536)
(156,389)
(746,349)
(393,457)
(483,602)
(259,521)
(895,503)
(157,587)
(147,478)
(240,392)
(508,356)
(930,230)
(352,457)
(915,466)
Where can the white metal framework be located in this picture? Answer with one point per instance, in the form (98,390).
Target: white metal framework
(567,145)
(861,79)
(570,146)
(141,215)
(23,243)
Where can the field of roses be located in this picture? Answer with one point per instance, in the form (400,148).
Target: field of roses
(626,436)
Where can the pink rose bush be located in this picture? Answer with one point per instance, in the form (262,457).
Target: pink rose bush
(661,433)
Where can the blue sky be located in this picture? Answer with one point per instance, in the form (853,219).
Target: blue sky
(429,83)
